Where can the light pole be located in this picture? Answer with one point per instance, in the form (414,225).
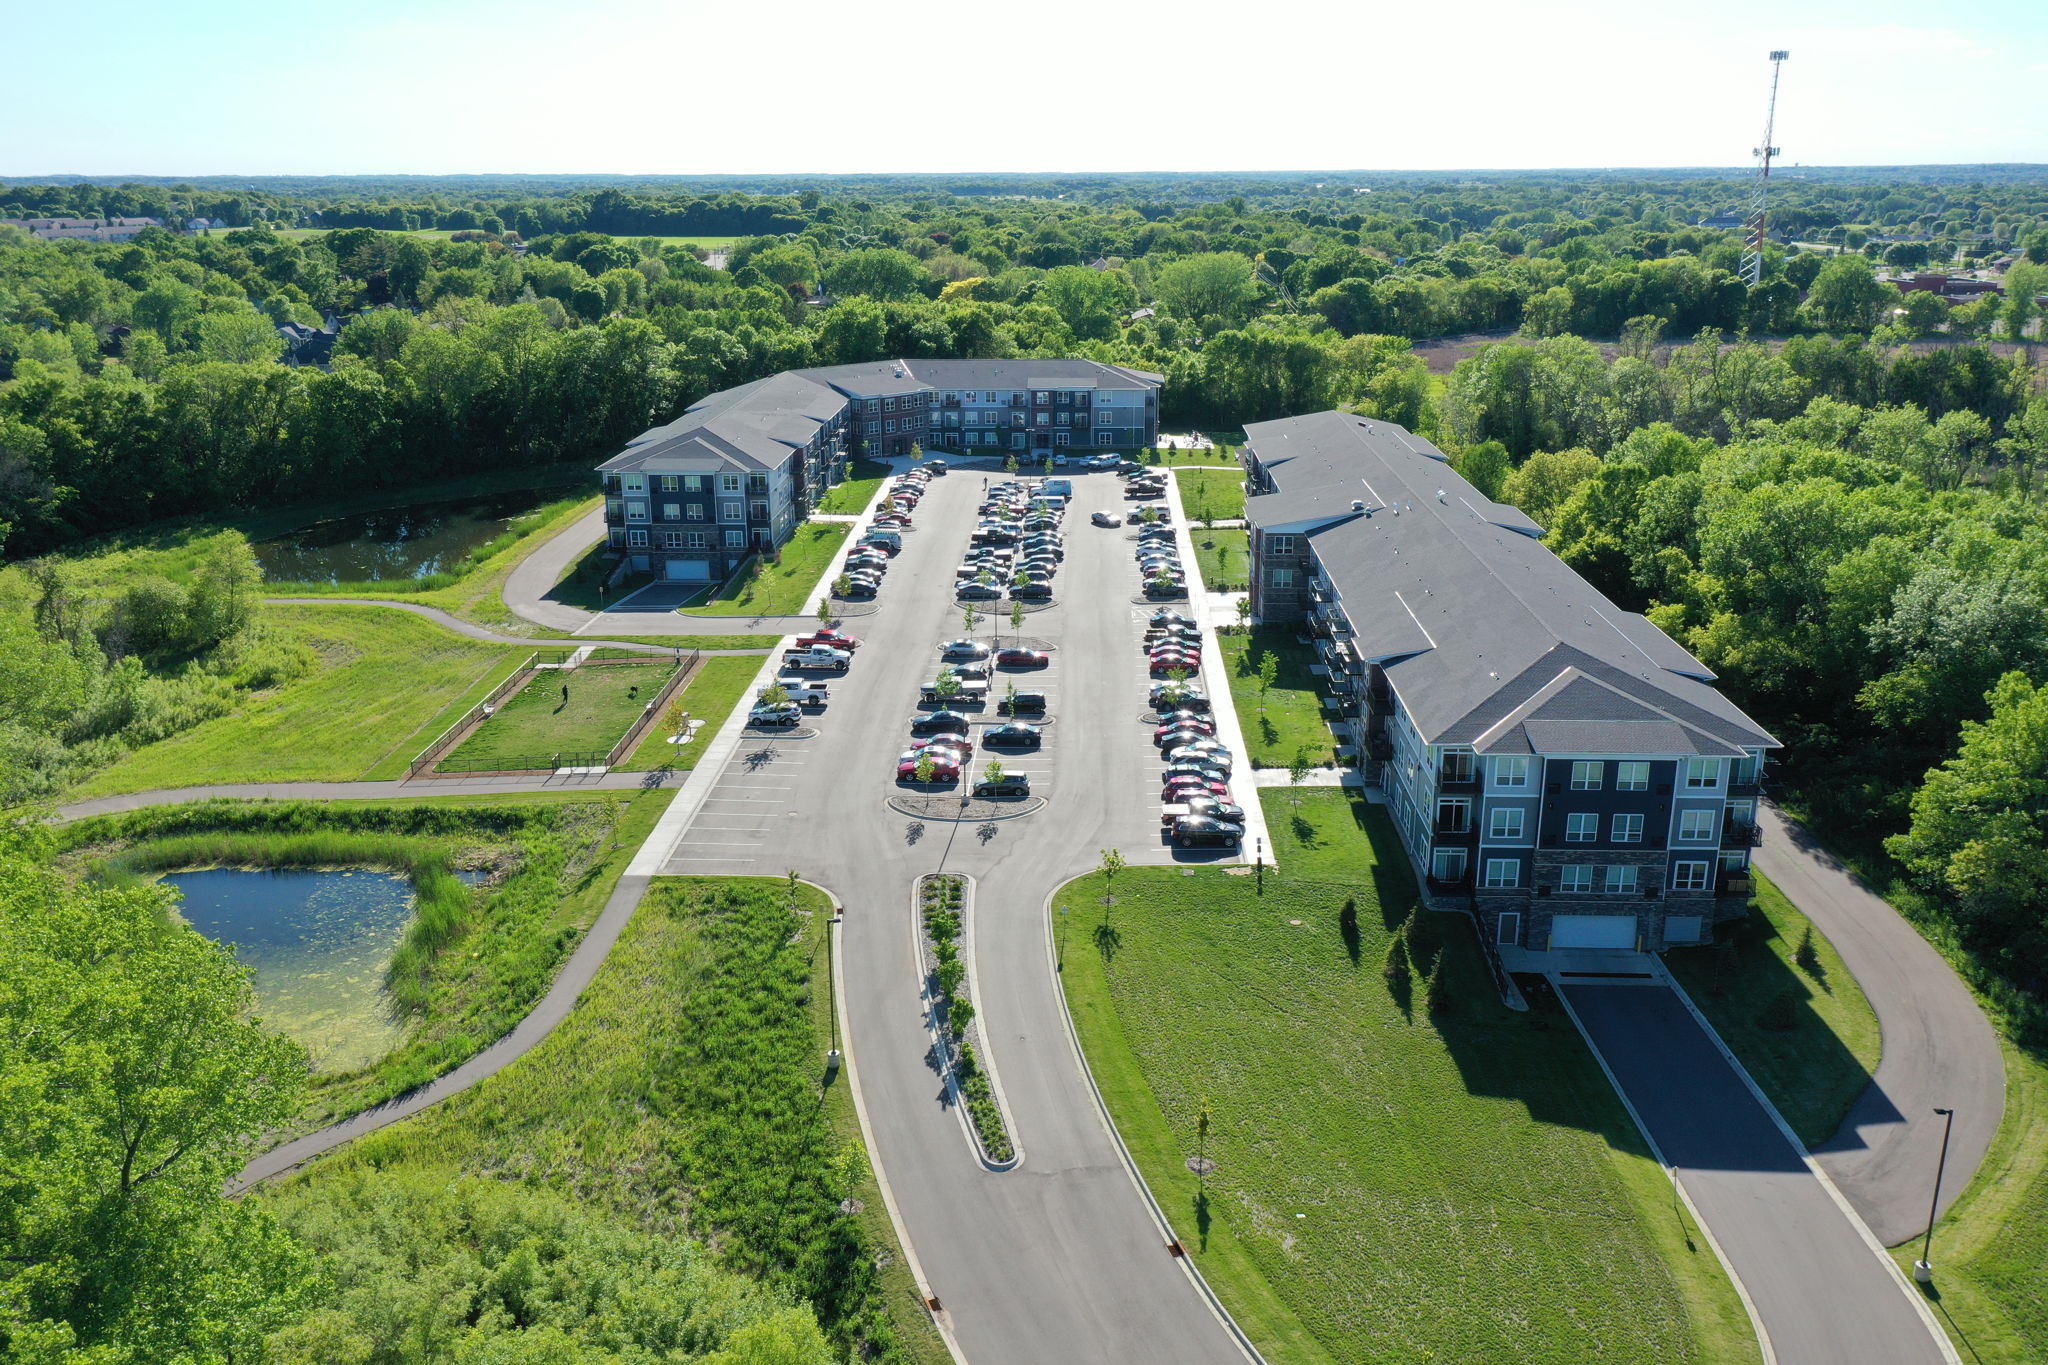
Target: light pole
(1923,1269)
(1062,962)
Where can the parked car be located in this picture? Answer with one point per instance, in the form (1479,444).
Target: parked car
(1007,787)
(1022,736)
(1180,732)
(1210,806)
(1206,768)
(945,765)
(1188,755)
(1107,519)
(1024,703)
(1165,617)
(1187,786)
(963,743)
(1033,592)
(1197,831)
(1165,664)
(963,649)
(1023,658)
(859,590)
(785,716)
(978,592)
(1187,697)
(831,637)
(967,671)
(939,723)
(801,691)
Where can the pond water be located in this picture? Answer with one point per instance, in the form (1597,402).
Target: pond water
(398,542)
(319,942)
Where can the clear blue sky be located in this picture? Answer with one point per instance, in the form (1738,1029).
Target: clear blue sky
(677,87)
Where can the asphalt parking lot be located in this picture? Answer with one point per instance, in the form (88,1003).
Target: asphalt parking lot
(1058,1259)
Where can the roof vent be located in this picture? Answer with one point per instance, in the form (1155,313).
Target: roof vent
(1358,504)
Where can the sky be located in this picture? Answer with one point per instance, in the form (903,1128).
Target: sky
(679,87)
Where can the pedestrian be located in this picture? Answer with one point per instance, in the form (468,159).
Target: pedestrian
(565,694)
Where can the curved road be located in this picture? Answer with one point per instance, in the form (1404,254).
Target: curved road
(1939,1049)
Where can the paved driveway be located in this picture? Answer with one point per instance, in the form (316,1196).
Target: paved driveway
(1059,1259)
(1824,1290)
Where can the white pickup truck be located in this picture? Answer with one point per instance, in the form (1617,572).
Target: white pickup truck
(818,656)
(802,691)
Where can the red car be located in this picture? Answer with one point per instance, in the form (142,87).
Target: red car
(1182,731)
(960,744)
(830,636)
(1164,664)
(945,765)
(1180,788)
(1023,658)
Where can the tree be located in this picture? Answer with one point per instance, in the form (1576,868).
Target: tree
(925,769)
(1010,463)
(948,684)
(993,772)
(1269,673)
(239,336)
(775,694)
(1298,769)
(1214,284)
(917,452)
(1112,862)
(1546,480)
(227,589)
(878,273)
(842,585)
(1092,303)
(1244,612)
(1847,297)
(969,618)
(1016,616)
(137,1083)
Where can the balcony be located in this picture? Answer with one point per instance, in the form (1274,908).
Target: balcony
(1458,778)
(1731,885)
(1451,885)
(1737,834)
(1457,832)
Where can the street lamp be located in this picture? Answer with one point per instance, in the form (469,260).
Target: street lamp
(1923,1269)
(1062,963)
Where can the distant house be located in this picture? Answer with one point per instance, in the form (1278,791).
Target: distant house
(83,229)
(305,345)
(1137,314)
(197,225)
(1948,288)
(1726,218)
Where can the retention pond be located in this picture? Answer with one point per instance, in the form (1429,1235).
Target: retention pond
(406,542)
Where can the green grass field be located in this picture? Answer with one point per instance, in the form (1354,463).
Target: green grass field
(540,721)
(853,496)
(1388,1187)
(791,588)
(382,680)
(684,1096)
(1223,556)
(1293,714)
(1814,1071)
(720,685)
(1219,490)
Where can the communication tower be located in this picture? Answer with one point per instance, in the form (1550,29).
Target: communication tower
(1758,224)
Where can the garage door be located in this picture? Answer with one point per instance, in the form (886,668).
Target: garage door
(689,570)
(1593,931)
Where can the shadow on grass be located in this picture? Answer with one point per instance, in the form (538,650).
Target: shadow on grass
(1203,1217)
(1305,832)
(1347,929)
(1107,941)
(1267,731)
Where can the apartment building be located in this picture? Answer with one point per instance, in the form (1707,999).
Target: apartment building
(741,469)
(1554,763)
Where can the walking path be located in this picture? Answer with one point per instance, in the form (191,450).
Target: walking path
(365,791)
(1939,1049)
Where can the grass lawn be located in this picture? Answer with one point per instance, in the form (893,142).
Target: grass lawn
(381,681)
(1293,714)
(1223,556)
(1179,456)
(791,588)
(720,685)
(1220,490)
(853,496)
(1388,1187)
(538,721)
(686,1096)
(1814,1071)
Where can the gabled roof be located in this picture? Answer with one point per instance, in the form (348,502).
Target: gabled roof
(1470,615)
(752,427)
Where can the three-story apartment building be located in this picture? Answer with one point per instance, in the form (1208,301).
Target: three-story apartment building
(1555,763)
(741,469)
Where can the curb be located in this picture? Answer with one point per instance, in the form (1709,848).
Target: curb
(1039,803)
(959,1101)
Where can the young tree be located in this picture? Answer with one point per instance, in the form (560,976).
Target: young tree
(1016,616)
(1112,863)
(842,585)
(1298,769)
(993,772)
(1010,699)
(916,452)
(969,619)
(947,684)
(825,617)
(1010,463)
(775,694)
(925,769)
(1244,612)
(1269,672)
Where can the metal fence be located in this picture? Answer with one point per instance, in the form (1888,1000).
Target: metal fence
(474,717)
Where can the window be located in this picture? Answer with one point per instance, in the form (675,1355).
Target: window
(1509,932)
(668,483)
(1447,864)
(671,540)
(1060,438)
(1040,396)
(1066,419)
(1454,817)
(1702,772)
(1511,772)
(1581,827)
(1631,777)
(730,511)
(888,405)
(1619,880)
(1696,825)
(1504,823)
(1502,872)
(1586,776)
(694,511)
(729,482)
(1689,876)
(616,537)
(1457,765)
(757,483)
(1628,829)
(736,538)
(1575,879)
(637,539)
(671,511)
(636,511)
(1016,419)
(889,425)
(758,509)
(696,540)
(1102,436)
(1045,419)
(693,483)
(1280,578)
(1279,545)
(636,483)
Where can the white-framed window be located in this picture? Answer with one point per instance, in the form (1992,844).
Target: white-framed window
(1628,829)
(736,539)
(1504,822)
(1447,864)
(1016,419)
(1575,879)
(1045,419)
(1041,396)
(616,537)
(1696,826)
(889,425)
(1619,879)
(1581,827)
(671,511)
(694,511)
(1702,772)
(1066,419)
(696,540)
(1503,872)
(731,511)
(668,483)
(1511,772)
(1279,545)
(1102,436)
(636,540)
(671,540)
(636,511)
(729,482)
(636,483)
(1690,876)
(1586,775)
(1060,438)
(758,509)
(693,483)
(1280,578)
(1632,776)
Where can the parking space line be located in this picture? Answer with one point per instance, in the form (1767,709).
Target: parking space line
(723,843)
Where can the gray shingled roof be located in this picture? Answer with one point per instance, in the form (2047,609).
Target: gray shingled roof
(1453,594)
